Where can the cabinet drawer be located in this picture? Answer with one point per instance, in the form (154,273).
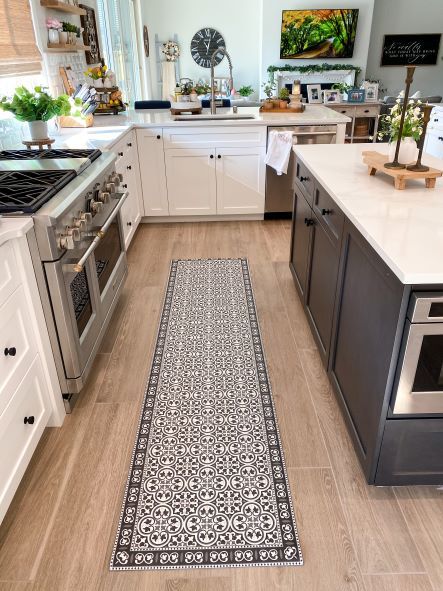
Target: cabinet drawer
(17,344)
(365,111)
(331,217)
(215,137)
(348,111)
(9,274)
(304,180)
(18,439)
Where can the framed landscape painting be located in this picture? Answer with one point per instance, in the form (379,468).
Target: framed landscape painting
(318,34)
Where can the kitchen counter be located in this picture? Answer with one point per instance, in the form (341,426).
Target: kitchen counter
(404,227)
(108,129)
(14,228)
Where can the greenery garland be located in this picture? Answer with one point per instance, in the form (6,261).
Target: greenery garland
(312,68)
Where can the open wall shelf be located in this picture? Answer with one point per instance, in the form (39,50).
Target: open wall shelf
(62,6)
(66,47)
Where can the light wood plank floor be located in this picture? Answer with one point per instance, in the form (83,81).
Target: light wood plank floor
(59,531)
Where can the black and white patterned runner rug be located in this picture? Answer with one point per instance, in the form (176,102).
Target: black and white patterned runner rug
(207,485)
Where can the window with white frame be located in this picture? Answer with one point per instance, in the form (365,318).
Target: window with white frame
(117,22)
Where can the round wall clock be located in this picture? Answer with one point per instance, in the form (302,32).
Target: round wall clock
(203,45)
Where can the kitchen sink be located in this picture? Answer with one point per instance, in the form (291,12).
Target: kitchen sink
(216,117)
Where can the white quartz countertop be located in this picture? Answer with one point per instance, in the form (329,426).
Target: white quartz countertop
(404,227)
(108,129)
(14,228)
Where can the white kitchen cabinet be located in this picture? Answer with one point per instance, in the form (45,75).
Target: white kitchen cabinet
(434,143)
(153,172)
(128,166)
(240,180)
(191,181)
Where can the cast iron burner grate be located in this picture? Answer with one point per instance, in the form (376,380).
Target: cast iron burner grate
(27,191)
(45,154)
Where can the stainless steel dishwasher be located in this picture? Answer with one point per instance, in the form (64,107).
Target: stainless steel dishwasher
(279,189)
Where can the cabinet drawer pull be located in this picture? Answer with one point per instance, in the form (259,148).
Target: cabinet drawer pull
(304,178)
(129,144)
(211,156)
(129,167)
(120,153)
(125,186)
(11,351)
(219,156)
(326,211)
(309,222)
(366,110)
(129,223)
(29,420)
(159,137)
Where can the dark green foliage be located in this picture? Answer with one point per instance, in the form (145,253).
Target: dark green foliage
(35,106)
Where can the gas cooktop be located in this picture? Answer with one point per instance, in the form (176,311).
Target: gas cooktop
(45,154)
(26,191)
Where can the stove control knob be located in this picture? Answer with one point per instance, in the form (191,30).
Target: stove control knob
(86,217)
(80,223)
(119,177)
(103,196)
(74,233)
(67,240)
(110,187)
(95,206)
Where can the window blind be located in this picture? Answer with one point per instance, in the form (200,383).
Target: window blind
(19,54)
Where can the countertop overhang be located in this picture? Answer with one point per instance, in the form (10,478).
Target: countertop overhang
(404,227)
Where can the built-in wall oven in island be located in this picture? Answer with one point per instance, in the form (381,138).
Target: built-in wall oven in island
(419,385)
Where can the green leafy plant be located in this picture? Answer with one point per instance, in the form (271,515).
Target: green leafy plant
(312,69)
(343,88)
(283,94)
(69,27)
(245,91)
(186,87)
(35,106)
(413,124)
(202,88)
(268,89)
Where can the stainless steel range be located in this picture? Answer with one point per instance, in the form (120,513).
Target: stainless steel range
(77,247)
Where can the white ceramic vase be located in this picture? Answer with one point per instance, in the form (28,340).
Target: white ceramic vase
(107,83)
(38,130)
(408,151)
(53,36)
(63,37)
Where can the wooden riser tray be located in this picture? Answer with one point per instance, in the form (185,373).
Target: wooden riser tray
(376,163)
(274,110)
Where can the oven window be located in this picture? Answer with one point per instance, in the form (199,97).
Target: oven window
(429,374)
(81,300)
(107,254)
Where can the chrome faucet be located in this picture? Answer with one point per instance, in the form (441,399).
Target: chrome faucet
(231,81)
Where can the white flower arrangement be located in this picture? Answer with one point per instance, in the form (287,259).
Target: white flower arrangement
(413,123)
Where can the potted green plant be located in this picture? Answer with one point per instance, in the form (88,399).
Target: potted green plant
(201,88)
(268,89)
(343,88)
(245,92)
(412,130)
(35,108)
(284,98)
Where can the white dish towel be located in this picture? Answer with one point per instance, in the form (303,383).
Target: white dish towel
(279,150)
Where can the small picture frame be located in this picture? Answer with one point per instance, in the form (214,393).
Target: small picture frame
(331,96)
(356,95)
(371,89)
(314,93)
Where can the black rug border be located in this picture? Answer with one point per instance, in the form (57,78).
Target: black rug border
(156,359)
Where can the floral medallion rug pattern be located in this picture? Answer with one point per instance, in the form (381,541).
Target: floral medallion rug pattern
(207,485)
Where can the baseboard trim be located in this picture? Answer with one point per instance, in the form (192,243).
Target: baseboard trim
(202,218)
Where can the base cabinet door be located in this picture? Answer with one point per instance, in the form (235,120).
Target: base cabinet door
(152,172)
(366,329)
(240,180)
(321,285)
(301,237)
(192,186)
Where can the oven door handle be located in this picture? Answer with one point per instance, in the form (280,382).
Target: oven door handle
(79,266)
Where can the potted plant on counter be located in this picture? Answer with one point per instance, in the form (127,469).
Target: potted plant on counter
(268,89)
(412,130)
(343,88)
(54,26)
(245,92)
(284,98)
(36,109)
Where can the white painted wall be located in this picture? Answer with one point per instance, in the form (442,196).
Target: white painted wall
(406,16)
(272,14)
(239,21)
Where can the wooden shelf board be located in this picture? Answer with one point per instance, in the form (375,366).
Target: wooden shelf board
(66,47)
(62,6)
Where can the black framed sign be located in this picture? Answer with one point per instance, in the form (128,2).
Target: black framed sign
(414,50)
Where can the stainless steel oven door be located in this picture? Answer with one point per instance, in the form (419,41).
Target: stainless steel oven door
(81,288)
(419,387)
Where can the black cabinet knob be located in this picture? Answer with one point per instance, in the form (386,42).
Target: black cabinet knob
(29,420)
(11,351)
(120,153)
(219,157)
(125,186)
(304,178)
(159,137)
(309,222)
(129,223)
(129,144)
(366,110)
(211,156)
(326,211)
(129,167)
